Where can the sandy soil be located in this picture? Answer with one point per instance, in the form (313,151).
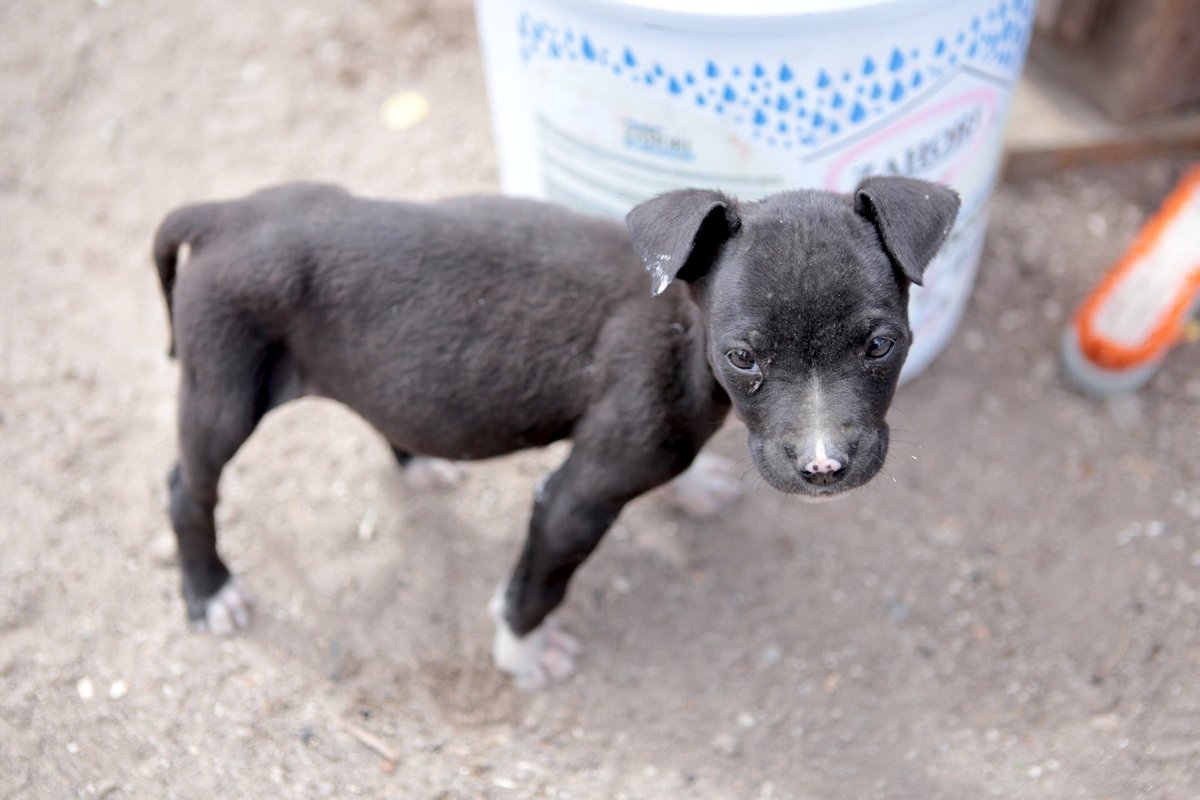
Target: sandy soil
(1012,611)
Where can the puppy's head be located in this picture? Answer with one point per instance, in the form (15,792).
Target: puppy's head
(805,300)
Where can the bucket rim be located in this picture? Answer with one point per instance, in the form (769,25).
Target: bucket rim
(758,16)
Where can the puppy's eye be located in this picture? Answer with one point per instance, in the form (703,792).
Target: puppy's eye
(741,359)
(880,346)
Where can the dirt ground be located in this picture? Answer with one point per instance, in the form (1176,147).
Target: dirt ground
(1013,610)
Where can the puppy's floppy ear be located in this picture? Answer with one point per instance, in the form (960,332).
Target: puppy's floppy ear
(678,234)
(913,218)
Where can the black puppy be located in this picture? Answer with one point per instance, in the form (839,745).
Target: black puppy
(471,328)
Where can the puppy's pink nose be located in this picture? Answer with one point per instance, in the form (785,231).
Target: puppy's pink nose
(821,463)
(823,466)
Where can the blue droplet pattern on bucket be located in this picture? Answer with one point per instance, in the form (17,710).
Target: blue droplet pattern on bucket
(777,104)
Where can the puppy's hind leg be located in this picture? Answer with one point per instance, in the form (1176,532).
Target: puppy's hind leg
(225,389)
(424,473)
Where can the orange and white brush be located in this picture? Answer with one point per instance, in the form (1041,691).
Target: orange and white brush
(1142,307)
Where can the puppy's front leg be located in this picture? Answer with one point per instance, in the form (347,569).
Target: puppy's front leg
(567,523)
(571,513)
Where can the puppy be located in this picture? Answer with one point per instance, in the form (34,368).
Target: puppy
(475,327)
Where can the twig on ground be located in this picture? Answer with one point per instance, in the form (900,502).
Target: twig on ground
(372,742)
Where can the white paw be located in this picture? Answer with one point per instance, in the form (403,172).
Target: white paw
(543,655)
(705,488)
(226,611)
(424,473)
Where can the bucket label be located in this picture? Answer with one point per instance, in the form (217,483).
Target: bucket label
(937,142)
(652,139)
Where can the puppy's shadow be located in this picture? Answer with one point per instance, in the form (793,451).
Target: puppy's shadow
(399,606)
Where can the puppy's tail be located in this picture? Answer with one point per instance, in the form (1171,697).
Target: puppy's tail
(186,225)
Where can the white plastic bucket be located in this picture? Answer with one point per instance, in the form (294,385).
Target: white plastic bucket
(600,104)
